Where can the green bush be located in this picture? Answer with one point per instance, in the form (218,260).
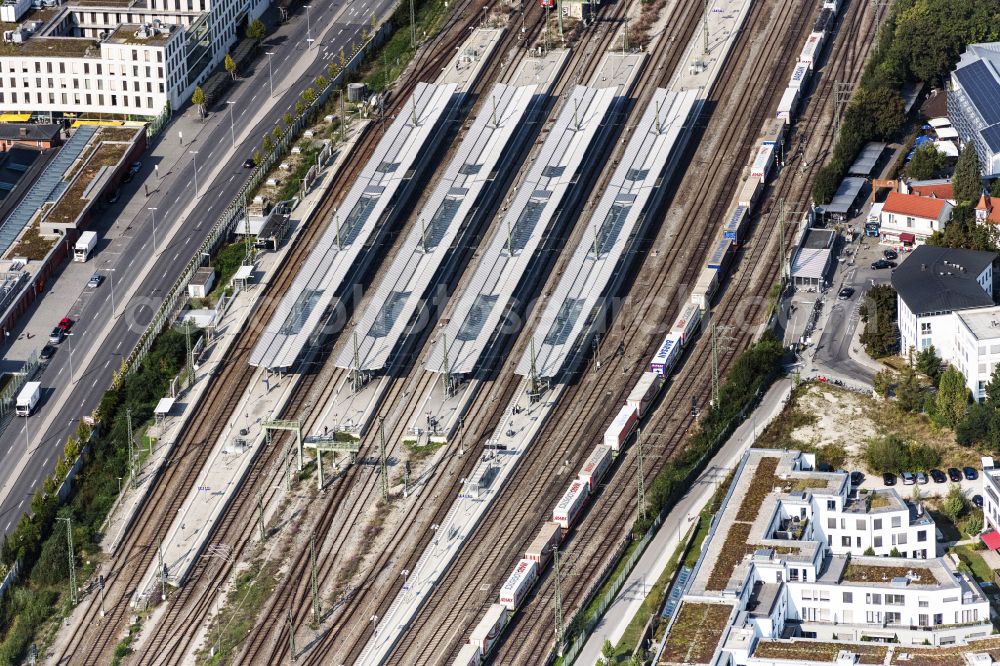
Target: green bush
(893,454)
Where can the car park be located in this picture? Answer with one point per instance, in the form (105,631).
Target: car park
(978,500)
(889,479)
(845,293)
(954,474)
(938,476)
(970,473)
(48,351)
(908,478)
(921,478)
(95,281)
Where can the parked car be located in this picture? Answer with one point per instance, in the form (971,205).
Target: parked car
(970,473)
(882,263)
(48,351)
(857,478)
(954,474)
(57,335)
(889,255)
(95,280)
(889,479)
(978,500)
(845,293)
(65,324)
(938,476)
(249,163)
(908,478)
(921,478)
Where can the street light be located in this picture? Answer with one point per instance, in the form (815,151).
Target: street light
(194,161)
(308,25)
(152,216)
(232,123)
(270,80)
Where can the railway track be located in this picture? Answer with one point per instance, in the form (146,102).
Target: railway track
(593,541)
(94,636)
(521,500)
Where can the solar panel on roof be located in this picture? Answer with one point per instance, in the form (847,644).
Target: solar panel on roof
(991,135)
(982,89)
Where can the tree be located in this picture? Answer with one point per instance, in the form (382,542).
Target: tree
(882,382)
(909,393)
(973,525)
(257,159)
(267,146)
(608,649)
(995,188)
(878,312)
(929,364)
(826,183)
(256,30)
(199,100)
(300,108)
(321,82)
(952,397)
(883,108)
(342,57)
(928,162)
(954,503)
(276,133)
(895,552)
(287,118)
(967,184)
(309,95)
(230,66)
(869,552)
(332,70)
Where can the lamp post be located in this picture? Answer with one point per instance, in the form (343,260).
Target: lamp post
(152,216)
(308,25)
(270,79)
(232,122)
(194,161)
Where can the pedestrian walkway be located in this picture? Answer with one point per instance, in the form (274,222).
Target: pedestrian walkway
(677,524)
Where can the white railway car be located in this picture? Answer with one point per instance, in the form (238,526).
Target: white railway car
(516,587)
(705,287)
(644,391)
(595,467)
(773,132)
(621,427)
(469,655)
(832,4)
(487,632)
(800,77)
(687,323)
(789,104)
(545,542)
(812,49)
(749,193)
(735,224)
(665,359)
(569,506)
(760,168)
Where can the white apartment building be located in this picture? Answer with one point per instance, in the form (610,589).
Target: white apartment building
(784,559)
(991,494)
(977,347)
(120,57)
(934,282)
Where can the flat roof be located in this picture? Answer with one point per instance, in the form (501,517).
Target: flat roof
(983,323)
(865,162)
(126,34)
(401,290)
(847,193)
(511,250)
(334,256)
(55,47)
(595,260)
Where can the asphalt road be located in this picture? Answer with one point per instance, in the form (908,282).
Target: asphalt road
(103,340)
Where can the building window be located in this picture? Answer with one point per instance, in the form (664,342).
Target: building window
(793,574)
(873,599)
(877,542)
(938,618)
(845,541)
(893,618)
(848,597)
(922,535)
(831,523)
(894,600)
(878,523)
(897,521)
(860,524)
(922,619)
(831,505)
(925,328)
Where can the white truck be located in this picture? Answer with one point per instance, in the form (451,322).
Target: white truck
(84,246)
(27,399)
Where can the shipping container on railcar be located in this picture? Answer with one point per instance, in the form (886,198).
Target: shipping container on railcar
(833,5)
(773,132)
(687,323)
(469,655)
(760,168)
(644,391)
(788,105)
(704,288)
(488,631)
(735,224)
(545,542)
(749,192)
(570,505)
(666,356)
(548,3)
(516,587)
(595,466)
(721,253)
(810,52)
(800,77)
(620,428)
(824,21)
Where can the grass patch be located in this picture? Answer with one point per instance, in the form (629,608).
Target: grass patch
(398,51)
(32,244)
(124,647)
(419,452)
(243,603)
(974,563)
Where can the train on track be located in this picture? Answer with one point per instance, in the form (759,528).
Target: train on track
(763,161)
